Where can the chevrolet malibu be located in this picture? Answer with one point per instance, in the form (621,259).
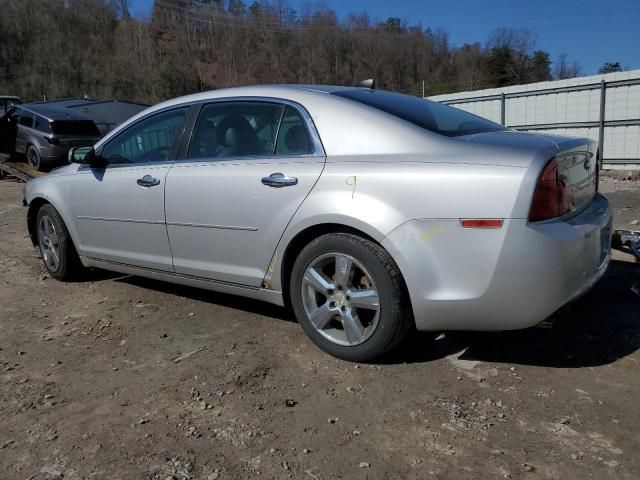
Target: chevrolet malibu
(368,213)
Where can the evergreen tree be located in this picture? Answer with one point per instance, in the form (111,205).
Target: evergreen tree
(610,68)
(539,67)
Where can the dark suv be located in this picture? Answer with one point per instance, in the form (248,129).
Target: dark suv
(46,133)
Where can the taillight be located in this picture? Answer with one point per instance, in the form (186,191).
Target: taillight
(553,197)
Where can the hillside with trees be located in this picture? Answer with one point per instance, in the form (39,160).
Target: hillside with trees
(58,48)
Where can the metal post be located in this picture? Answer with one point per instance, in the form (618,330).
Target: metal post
(423,89)
(503,104)
(603,95)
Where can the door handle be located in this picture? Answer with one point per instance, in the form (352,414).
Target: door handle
(279,180)
(148,181)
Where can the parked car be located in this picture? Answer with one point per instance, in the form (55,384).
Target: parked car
(44,134)
(369,213)
(7,102)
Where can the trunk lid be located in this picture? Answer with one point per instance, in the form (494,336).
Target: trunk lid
(578,171)
(513,138)
(576,158)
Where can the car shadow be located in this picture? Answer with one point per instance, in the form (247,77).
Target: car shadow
(598,329)
(226,300)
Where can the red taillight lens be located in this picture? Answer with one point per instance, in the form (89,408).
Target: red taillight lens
(553,197)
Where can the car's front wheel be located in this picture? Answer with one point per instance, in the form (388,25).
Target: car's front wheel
(349,297)
(56,247)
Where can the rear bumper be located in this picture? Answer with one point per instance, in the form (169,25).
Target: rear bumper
(502,279)
(54,152)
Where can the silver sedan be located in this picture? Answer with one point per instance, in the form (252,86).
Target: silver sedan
(368,213)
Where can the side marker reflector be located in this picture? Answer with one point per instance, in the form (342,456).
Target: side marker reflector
(481,223)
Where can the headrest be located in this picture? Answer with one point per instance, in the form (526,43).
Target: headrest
(296,140)
(234,130)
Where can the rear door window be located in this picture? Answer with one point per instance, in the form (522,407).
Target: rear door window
(235,129)
(293,136)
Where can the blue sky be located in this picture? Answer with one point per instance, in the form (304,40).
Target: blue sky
(590,32)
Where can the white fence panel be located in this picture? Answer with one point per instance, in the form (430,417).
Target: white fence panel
(568,107)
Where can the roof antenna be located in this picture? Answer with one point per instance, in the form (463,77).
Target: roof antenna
(368,83)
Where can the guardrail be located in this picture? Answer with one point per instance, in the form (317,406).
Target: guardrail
(601,123)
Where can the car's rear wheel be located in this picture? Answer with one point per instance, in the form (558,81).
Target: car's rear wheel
(349,297)
(56,247)
(34,159)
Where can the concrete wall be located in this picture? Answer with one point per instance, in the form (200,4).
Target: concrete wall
(568,107)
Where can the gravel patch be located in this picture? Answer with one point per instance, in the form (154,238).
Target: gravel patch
(610,184)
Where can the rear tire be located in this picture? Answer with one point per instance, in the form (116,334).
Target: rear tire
(349,297)
(56,246)
(34,159)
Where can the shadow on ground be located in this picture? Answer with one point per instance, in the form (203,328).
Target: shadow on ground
(598,329)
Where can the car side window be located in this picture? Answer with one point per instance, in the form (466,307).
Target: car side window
(235,129)
(26,119)
(42,124)
(149,140)
(293,137)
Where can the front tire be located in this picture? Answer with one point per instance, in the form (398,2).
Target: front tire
(56,247)
(349,297)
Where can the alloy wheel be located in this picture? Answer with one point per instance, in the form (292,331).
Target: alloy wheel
(32,158)
(340,299)
(49,243)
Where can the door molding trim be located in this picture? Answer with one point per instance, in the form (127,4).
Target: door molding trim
(271,296)
(125,220)
(205,225)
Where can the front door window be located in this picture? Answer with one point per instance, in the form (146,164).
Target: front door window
(154,139)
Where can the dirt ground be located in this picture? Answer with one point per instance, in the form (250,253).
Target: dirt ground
(93,386)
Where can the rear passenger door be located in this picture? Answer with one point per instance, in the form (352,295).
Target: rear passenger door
(246,169)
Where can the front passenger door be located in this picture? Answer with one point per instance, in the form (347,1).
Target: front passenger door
(119,210)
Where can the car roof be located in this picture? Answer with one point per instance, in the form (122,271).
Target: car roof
(286,91)
(53,113)
(9,97)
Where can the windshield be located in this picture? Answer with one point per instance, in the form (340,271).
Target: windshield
(75,127)
(432,116)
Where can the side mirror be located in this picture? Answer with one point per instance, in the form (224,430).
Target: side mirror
(79,154)
(87,155)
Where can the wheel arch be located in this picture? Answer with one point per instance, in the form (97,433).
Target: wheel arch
(32,216)
(304,237)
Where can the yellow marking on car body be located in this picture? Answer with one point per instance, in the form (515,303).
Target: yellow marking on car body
(430,233)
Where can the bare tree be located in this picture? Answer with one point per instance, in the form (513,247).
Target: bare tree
(563,69)
(75,47)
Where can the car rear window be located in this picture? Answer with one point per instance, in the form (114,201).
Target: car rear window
(432,116)
(75,127)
